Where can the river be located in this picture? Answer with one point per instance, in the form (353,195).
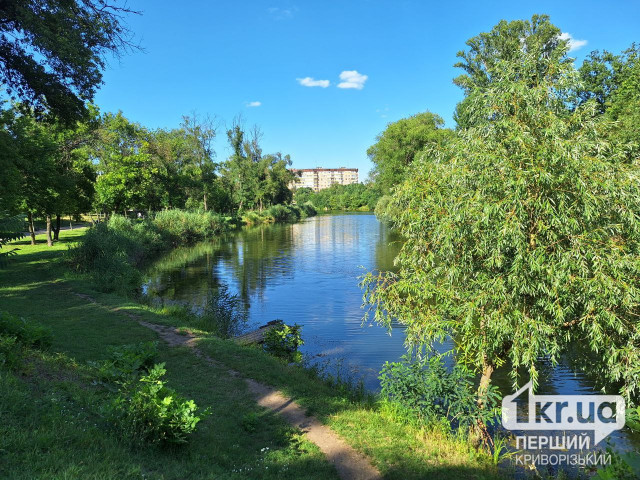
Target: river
(308,273)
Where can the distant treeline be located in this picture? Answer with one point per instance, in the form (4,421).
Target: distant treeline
(106,163)
(356,196)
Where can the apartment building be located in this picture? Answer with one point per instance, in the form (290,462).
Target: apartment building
(320,178)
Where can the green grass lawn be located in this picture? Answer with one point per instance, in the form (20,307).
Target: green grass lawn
(53,423)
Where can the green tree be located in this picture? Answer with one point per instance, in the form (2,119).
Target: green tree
(255,180)
(396,147)
(522,235)
(48,168)
(199,134)
(52,52)
(128,176)
(602,74)
(239,170)
(34,151)
(537,39)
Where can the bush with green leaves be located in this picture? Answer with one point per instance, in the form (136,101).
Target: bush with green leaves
(428,392)
(10,351)
(188,227)
(26,332)
(112,252)
(283,341)
(146,411)
(623,466)
(308,209)
(11,228)
(126,362)
(279,214)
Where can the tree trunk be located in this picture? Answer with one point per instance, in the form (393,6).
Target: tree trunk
(32,229)
(485,381)
(49,239)
(205,201)
(56,231)
(70,222)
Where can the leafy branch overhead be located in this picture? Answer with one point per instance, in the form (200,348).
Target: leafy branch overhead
(53,52)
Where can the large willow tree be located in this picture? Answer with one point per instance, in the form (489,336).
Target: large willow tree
(522,234)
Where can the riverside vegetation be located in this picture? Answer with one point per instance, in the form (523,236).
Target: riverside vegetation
(112,253)
(520,233)
(69,391)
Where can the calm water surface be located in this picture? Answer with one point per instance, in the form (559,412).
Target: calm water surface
(308,273)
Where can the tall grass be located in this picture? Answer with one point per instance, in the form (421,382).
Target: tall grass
(279,214)
(189,227)
(112,253)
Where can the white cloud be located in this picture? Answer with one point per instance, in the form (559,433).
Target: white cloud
(312,82)
(352,79)
(254,104)
(573,43)
(282,13)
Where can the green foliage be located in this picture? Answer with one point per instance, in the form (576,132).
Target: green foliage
(279,214)
(624,466)
(250,422)
(149,412)
(11,228)
(352,197)
(27,333)
(385,209)
(46,167)
(113,252)
(427,391)
(189,227)
(283,341)
(10,351)
(521,233)
(501,449)
(308,209)
(126,362)
(52,53)
(255,180)
(397,147)
(506,44)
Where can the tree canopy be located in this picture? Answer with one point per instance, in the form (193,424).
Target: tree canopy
(396,147)
(521,232)
(52,52)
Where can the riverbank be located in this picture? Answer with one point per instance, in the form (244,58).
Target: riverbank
(239,440)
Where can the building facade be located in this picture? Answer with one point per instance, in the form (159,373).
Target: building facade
(321,178)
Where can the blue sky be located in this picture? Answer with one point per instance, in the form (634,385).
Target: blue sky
(251,58)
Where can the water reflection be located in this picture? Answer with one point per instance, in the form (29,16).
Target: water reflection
(305,273)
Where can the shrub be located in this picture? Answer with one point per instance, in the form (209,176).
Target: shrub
(148,412)
(429,393)
(283,341)
(127,361)
(111,253)
(27,333)
(10,351)
(188,227)
(308,209)
(279,214)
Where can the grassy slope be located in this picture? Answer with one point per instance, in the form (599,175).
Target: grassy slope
(55,429)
